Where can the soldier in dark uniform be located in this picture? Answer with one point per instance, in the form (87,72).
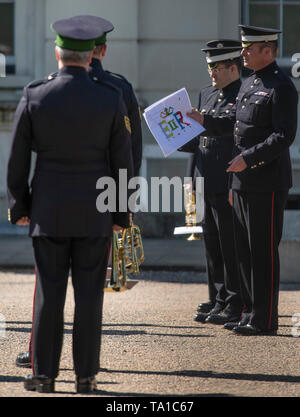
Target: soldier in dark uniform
(79,132)
(264,125)
(212,155)
(98,75)
(97,72)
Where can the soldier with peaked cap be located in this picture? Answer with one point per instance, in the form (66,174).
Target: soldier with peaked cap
(79,132)
(212,154)
(97,72)
(133,119)
(264,125)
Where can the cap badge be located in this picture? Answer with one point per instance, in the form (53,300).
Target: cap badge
(220,45)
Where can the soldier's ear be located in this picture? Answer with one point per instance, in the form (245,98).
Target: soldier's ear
(91,56)
(104,49)
(56,55)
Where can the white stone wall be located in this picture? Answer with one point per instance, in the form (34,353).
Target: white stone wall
(122,54)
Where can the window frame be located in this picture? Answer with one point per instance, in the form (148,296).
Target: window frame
(29,43)
(282,59)
(10,59)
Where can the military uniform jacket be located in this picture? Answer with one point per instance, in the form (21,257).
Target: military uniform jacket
(97,72)
(264,123)
(77,129)
(212,153)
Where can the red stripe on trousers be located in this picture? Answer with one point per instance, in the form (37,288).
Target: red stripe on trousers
(31,335)
(272,259)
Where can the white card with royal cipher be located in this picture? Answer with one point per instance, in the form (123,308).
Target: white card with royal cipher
(169,124)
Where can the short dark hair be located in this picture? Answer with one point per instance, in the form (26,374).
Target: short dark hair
(98,49)
(235,61)
(271,44)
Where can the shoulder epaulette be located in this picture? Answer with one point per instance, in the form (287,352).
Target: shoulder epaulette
(105,83)
(118,76)
(52,76)
(43,80)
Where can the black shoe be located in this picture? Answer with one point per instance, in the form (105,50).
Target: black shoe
(231,325)
(84,385)
(24,360)
(201,317)
(39,384)
(223,317)
(249,330)
(205,307)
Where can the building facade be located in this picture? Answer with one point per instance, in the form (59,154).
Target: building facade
(156,45)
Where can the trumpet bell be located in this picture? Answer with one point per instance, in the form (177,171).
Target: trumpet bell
(194,236)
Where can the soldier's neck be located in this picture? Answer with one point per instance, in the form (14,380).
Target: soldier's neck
(264,65)
(230,81)
(72,64)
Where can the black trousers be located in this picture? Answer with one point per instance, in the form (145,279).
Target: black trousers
(258,224)
(87,258)
(223,278)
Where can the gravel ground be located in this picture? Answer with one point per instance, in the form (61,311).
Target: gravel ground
(152,347)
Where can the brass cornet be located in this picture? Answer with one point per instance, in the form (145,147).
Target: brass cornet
(126,258)
(190,211)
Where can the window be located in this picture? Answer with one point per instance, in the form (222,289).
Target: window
(279,14)
(7,38)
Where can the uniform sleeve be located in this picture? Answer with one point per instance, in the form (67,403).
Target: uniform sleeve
(193,144)
(190,146)
(19,164)
(121,158)
(284,122)
(219,125)
(136,132)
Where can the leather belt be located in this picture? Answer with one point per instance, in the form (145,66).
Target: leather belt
(245,142)
(206,141)
(71,166)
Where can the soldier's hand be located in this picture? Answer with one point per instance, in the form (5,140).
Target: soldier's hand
(237,164)
(196,115)
(23,221)
(230,197)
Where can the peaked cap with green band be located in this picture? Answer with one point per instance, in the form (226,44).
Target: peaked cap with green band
(106,27)
(79,33)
